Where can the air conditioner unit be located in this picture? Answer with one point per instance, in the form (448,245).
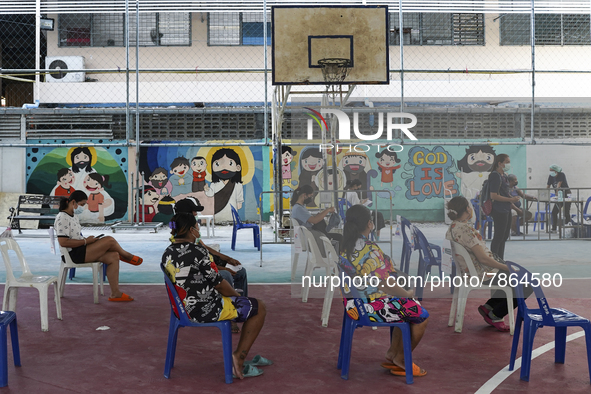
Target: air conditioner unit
(62,64)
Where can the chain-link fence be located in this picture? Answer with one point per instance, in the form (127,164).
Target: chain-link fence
(205,72)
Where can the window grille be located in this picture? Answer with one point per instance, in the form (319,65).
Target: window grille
(551,29)
(437,29)
(101,30)
(237,28)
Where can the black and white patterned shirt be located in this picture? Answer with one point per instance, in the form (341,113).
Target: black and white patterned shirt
(67,226)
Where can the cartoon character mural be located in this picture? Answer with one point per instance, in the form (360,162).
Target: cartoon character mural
(341,179)
(64,187)
(474,168)
(226,183)
(311,163)
(78,168)
(198,165)
(159,181)
(356,165)
(387,161)
(287,155)
(180,178)
(148,204)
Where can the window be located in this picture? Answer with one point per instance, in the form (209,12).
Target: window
(437,29)
(102,30)
(237,28)
(551,29)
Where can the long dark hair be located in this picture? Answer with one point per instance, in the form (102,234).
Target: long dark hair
(351,184)
(356,222)
(456,207)
(181,224)
(498,160)
(86,151)
(231,154)
(304,189)
(77,195)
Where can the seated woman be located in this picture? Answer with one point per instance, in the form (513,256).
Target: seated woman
(464,233)
(208,297)
(353,199)
(83,250)
(315,223)
(384,303)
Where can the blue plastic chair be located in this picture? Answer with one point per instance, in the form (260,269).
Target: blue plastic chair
(533,319)
(179,318)
(585,214)
(481,221)
(8,318)
(407,245)
(429,257)
(72,273)
(542,216)
(350,324)
(343,206)
(239,225)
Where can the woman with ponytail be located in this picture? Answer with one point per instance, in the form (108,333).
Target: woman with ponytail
(87,249)
(208,297)
(387,302)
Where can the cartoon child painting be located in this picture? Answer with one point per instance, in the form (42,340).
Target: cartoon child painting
(474,168)
(287,154)
(159,181)
(226,186)
(65,178)
(180,178)
(387,161)
(97,204)
(198,165)
(148,203)
(355,166)
(311,163)
(341,179)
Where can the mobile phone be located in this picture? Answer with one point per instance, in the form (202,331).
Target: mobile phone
(100,236)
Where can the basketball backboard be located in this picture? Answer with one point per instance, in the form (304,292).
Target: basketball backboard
(304,35)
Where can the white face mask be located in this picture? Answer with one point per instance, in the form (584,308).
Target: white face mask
(507,167)
(553,173)
(79,210)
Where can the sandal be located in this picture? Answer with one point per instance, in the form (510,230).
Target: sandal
(416,371)
(135,260)
(484,312)
(124,298)
(250,371)
(259,361)
(501,326)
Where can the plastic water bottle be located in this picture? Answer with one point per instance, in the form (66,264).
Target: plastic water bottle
(560,195)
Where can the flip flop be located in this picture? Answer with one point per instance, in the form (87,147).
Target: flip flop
(391,366)
(484,313)
(124,298)
(416,371)
(135,260)
(259,361)
(250,371)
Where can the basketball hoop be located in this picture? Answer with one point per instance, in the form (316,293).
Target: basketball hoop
(334,69)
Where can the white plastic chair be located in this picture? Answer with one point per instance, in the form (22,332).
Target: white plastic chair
(27,279)
(299,245)
(97,273)
(315,260)
(458,304)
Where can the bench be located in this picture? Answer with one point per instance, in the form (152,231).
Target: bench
(33,207)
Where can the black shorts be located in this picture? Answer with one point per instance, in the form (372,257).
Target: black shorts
(78,254)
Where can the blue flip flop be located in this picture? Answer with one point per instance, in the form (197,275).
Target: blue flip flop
(259,361)
(250,371)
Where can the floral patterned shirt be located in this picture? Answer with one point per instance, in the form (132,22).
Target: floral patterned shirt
(190,269)
(466,235)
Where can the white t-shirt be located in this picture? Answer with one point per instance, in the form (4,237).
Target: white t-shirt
(67,226)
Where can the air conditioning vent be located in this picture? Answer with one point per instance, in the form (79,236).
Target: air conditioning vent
(62,65)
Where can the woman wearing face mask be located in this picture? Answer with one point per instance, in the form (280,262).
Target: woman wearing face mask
(301,197)
(83,250)
(501,212)
(557,180)
(208,297)
(464,233)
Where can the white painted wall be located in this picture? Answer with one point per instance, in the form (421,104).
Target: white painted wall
(13,165)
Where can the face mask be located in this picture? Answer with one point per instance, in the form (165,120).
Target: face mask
(79,210)
(507,167)
(552,173)
(308,200)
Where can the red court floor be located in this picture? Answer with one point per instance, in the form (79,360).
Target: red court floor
(73,357)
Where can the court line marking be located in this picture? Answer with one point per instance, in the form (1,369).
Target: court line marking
(504,373)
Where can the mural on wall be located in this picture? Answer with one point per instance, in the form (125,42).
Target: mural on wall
(387,164)
(474,168)
(218,177)
(310,164)
(100,172)
(356,165)
(431,174)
